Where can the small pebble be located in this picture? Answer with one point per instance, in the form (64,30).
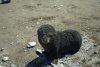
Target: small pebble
(3,27)
(83,60)
(39,4)
(13,65)
(95,52)
(37,23)
(24,47)
(61,5)
(25,50)
(31,44)
(88,28)
(11,10)
(55,6)
(58,9)
(11,43)
(0,66)
(95,45)
(5,59)
(2,49)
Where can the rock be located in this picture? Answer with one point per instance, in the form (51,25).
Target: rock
(39,4)
(11,10)
(37,23)
(39,50)
(2,49)
(95,45)
(3,27)
(25,50)
(13,65)
(0,66)
(55,6)
(96,52)
(31,44)
(58,65)
(11,43)
(61,5)
(83,60)
(5,59)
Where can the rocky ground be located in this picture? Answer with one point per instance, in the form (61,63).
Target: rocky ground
(19,21)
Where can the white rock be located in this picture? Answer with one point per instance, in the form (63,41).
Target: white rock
(0,66)
(54,65)
(31,44)
(13,65)
(60,65)
(37,23)
(39,50)
(61,5)
(5,59)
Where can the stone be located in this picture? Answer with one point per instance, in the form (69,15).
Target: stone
(31,44)
(0,66)
(11,43)
(5,59)
(96,52)
(13,65)
(37,23)
(95,45)
(83,60)
(2,49)
(39,50)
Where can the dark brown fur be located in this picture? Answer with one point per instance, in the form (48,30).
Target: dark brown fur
(67,42)
(60,43)
(46,37)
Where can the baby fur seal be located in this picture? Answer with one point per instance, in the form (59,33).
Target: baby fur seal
(59,43)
